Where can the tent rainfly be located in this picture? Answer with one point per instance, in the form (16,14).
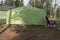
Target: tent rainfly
(26,16)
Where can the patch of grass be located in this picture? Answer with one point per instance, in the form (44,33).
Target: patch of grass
(2,21)
(58,23)
(3,13)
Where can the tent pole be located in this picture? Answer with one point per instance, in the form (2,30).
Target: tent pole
(9,22)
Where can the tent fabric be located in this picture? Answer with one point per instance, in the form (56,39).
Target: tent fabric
(26,16)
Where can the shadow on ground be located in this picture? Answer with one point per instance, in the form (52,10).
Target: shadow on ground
(33,33)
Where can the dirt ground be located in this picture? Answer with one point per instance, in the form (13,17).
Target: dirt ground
(31,33)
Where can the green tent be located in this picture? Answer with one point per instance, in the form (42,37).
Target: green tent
(26,16)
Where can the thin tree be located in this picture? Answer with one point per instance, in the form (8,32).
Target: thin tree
(17,3)
(31,2)
(55,8)
(21,3)
(1,3)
